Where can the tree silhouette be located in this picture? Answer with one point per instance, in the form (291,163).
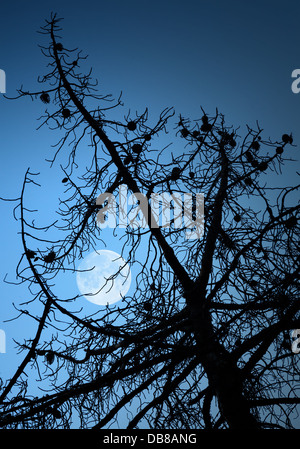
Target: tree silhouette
(205,339)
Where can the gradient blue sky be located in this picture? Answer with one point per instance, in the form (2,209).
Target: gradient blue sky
(235,56)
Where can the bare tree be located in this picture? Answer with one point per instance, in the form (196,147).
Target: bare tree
(205,339)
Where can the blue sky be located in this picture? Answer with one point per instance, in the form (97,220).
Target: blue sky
(235,56)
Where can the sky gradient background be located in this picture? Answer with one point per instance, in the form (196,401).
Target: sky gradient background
(235,56)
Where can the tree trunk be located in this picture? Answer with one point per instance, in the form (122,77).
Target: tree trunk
(223,375)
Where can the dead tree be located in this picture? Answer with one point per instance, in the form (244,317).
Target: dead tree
(205,339)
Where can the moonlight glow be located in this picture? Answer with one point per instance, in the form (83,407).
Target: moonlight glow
(103,277)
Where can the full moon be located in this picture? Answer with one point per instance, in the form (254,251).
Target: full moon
(103,277)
